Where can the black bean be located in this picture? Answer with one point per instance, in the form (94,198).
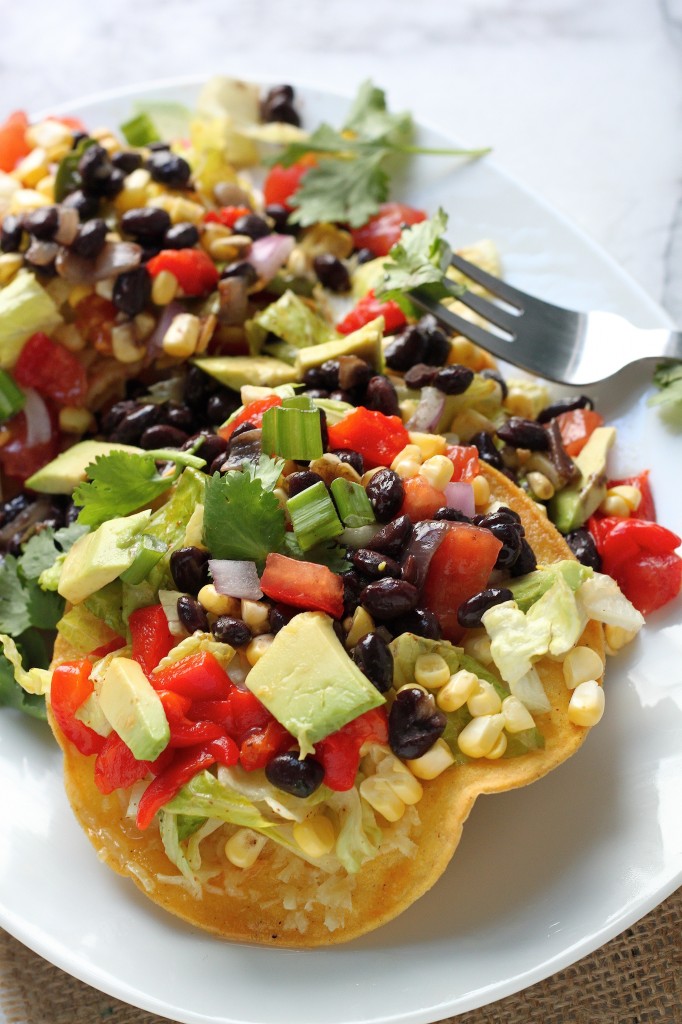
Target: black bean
(221,405)
(487,450)
(437,341)
(197,387)
(162,435)
(244,447)
(189,569)
(252,225)
(451,515)
(453,380)
(244,270)
(526,561)
(364,255)
(168,169)
(86,206)
(389,598)
(90,239)
(421,622)
(212,446)
(243,428)
(158,146)
(500,515)
(420,376)
(178,416)
(392,538)
(351,457)
(374,564)
(470,612)
(581,542)
(132,291)
(407,348)
(386,493)
(299,778)
(282,111)
(494,375)
(331,272)
(511,538)
(11,235)
(181,236)
(353,585)
(78,137)
(113,416)
(279,615)
(414,723)
(147,223)
(523,434)
(9,510)
(339,395)
(565,405)
(94,167)
(127,161)
(42,223)
(192,615)
(297,482)
(374,659)
(325,376)
(279,215)
(381,396)
(354,373)
(132,424)
(232,631)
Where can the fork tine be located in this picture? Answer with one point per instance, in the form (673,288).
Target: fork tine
(486,339)
(492,284)
(490,311)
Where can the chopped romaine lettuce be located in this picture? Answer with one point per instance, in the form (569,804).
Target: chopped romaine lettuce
(359,835)
(25,307)
(83,630)
(33,680)
(601,598)
(515,640)
(194,644)
(290,319)
(558,607)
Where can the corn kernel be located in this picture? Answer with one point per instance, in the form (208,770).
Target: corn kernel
(614,505)
(541,487)
(123,344)
(361,624)
(517,717)
(78,293)
(433,762)
(616,637)
(461,351)
(581,664)
(258,646)
(256,615)
(407,462)
(46,187)
(70,337)
(164,288)
(73,420)
(26,199)
(315,835)
(194,530)
(481,491)
(485,700)
(498,749)
(218,604)
(632,496)
(52,136)
(438,471)
(10,263)
(32,168)
(479,736)
(367,476)
(134,193)
(105,289)
(428,444)
(586,705)
(478,647)
(180,340)
(244,848)
(380,796)
(457,691)
(222,250)
(144,325)
(431,671)
(401,780)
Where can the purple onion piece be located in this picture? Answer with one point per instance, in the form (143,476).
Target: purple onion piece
(114,259)
(235,578)
(429,411)
(460,495)
(155,339)
(268,255)
(38,422)
(425,540)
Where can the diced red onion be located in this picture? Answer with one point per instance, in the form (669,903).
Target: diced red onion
(38,422)
(169,603)
(425,540)
(429,411)
(69,222)
(41,254)
(235,578)
(461,496)
(234,301)
(268,255)
(115,258)
(155,339)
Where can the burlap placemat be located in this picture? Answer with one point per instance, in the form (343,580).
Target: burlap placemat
(635,979)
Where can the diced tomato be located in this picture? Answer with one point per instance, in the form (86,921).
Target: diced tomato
(283,182)
(151,637)
(339,753)
(194,269)
(640,556)
(94,318)
(369,308)
(459,569)
(20,460)
(421,499)
(227,215)
(377,437)
(647,507)
(71,686)
(464,458)
(116,767)
(303,585)
(13,144)
(576,428)
(261,745)
(52,370)
(199,676)
(251,413)
(383,230)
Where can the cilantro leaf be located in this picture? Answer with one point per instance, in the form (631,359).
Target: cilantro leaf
(420,257)
(370,118)
(43,549)
(267,470)
(327,553)
(14,611)
(342,190)
(242,520)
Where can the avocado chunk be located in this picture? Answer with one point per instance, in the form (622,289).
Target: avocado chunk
(530,588)
(364,343)
(90,713)
(25,308)
(99,557)
(132,707)
(65,472)
(291,320)
(308,681)
(573,505)
(235,371)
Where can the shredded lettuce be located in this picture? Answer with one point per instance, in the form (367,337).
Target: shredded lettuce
(601,598)
(196,643)
(515,639)
(84,631)
(292,321)
(205,796)
(169,523)
(170,837)
(359,835)
(558,607)
(33,680)
(407,647)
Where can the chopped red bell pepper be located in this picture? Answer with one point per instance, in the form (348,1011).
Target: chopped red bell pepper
(114,645)
(378,438)
(151,637)
(184,766)
(224,750)
(421,499)
(13,144)
(251,413)
(282,183)
(464,458)
(116,767)
(339,753)
(227,215)
(261,745)
(71,686)
(184,731)
(245,713)
(52,370)
(383,230)
(194,269)
(369,308)
(199,676)
(641,558)
(576,428)
(303,585)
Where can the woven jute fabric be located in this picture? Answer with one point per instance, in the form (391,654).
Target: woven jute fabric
(635,979)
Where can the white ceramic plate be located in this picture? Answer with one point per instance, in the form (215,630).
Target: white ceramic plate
(543,876)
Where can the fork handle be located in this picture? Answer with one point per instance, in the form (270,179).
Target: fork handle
(673,345)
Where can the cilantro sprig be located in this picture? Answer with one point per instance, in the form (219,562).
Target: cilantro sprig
(419,259)
(351,181)
(242,517)
(668,379)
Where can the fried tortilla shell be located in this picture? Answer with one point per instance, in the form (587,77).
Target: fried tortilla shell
(247,905)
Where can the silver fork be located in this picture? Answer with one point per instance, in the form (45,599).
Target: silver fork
(548,341)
